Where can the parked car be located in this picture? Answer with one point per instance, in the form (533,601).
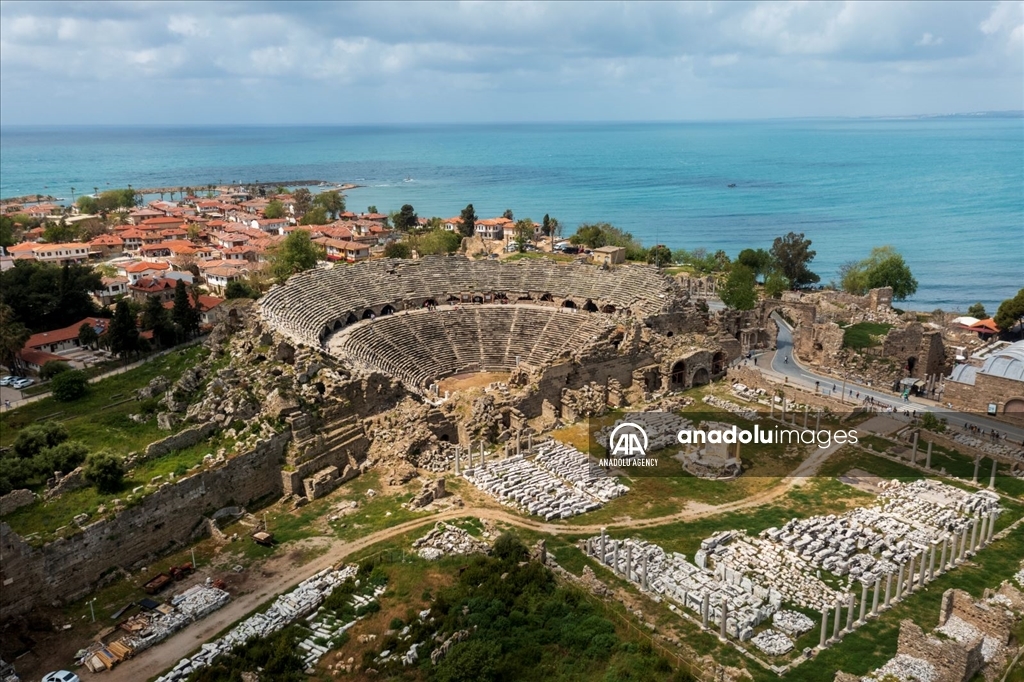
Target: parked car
(23,382)
(7,380)
(61,676)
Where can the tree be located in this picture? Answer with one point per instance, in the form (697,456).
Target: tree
(333,202)
(52,368)
(1010,312)
(523,233)
(297,253)
(438,242)
(69,386)
(792,253)
(775,283)
(13,336)
(154,313)
(35,438)
(977,310)
(87,205)
(49,296)
(738,292)
(884,267)
(468,225)
(722,262)
(275,209)
(371,209)
(87,336)
(315,216)
(659,255)
(303,200)
(545,226)
(239,289)
(405,219)
(508,215)
(184,314)
(105,471)
(123,335)
(397,250)
(759,261)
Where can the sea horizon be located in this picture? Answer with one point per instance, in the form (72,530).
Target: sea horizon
(946,190)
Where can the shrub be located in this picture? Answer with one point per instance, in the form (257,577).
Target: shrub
(35,438)
(52,368)
(69,386)
(105,471)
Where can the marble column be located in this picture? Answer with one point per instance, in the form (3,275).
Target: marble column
(909,583)
(725,616)
(888,586)
(615,565)
(771,407)
(457,471)
(604,550)
(931,561)
(928,459)
(849,611)
(874,599)
(899,584)
(993,515)
(835,625)
(705,609)
(921,574)
(913,454)
(942,560)
(863,602)
(824,628)
(992,480)
(629,563)
(646,584)
(974,535)
(977,465)
(805,416)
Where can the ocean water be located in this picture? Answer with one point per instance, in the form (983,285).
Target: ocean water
(948,193)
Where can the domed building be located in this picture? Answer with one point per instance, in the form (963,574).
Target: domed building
(996,387)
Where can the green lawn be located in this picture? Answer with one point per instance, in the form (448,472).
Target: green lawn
(864,334)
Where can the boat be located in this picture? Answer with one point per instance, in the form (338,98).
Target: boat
(732,184)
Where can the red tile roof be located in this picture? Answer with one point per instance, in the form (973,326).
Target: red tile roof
(67,333)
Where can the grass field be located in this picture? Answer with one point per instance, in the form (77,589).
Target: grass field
(864,334)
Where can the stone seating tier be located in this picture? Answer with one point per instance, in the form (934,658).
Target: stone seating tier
(316,302)
(419,347)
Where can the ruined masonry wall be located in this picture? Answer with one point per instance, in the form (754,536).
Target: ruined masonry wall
(953,661)
(68,568)
(994,622)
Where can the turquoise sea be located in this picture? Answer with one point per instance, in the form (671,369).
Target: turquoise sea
(948,193)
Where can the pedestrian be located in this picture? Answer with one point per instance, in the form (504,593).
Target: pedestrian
(7,403)
(755,361)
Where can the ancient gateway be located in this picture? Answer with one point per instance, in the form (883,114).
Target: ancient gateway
(421,321)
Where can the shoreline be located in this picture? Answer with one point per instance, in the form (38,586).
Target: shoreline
(340,186)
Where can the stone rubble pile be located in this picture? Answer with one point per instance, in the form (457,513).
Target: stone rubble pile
(744,392)
(287,608)
(446,539)
(962,631)
(1000,448)
(576,468)
(903,668)
(730,406)
(792,622)
(772,643)
(661,428)
(521,483)
(673,577)
(325,627)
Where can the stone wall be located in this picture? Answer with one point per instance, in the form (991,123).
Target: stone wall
(68,568)
(986,389)
(184,439)
(919,351)
(953,661)
(16,499)
(995,622)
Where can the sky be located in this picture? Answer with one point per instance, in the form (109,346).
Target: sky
(379,62)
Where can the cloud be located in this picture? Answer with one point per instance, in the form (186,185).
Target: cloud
(350,62)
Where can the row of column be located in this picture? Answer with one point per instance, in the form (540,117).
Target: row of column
(457,463)
(911,575)
(928,462)
(771,414)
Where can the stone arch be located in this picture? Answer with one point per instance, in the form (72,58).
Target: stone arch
(718,362)
(351,319)
(590,306)
(452,298)
(700,377)
(338,324)
(569,303)
(677,375)
(547,297)
(388,309)
(477,298)
(608,308)
(429,302)
(1014,406)
(911,364)
(368,314)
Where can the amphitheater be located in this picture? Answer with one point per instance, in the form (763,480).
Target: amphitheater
(420,321)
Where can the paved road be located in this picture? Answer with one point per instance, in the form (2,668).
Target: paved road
(797,374)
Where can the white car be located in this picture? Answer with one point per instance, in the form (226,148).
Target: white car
(61,676)
(6,381)
(24,382)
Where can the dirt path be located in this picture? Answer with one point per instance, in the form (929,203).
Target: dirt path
(163,656)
